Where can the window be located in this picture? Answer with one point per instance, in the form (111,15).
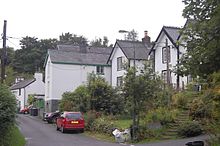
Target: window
(119,81)
(164,54)
(19,92)
(100,70)
(119,63)
(164,76)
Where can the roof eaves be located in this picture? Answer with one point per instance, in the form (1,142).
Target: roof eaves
(33,80)
(123,51)
(72,63)
(170,38)
(111,52)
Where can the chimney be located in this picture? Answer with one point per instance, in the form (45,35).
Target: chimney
(146,38)
(38,76)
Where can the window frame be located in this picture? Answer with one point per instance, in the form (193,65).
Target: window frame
(119,81)
(100,70)
(164,55)
(119,64)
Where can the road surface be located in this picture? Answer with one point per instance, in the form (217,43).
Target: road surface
(39,133)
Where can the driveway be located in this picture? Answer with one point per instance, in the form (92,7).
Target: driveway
(39,133)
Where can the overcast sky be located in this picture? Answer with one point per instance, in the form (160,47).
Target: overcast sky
(91,18)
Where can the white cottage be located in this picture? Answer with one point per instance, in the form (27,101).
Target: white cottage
(129,52)
(22,88)
(68,67)
(173,54)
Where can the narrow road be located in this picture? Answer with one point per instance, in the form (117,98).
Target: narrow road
(39,133)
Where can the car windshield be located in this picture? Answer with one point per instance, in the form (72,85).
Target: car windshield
(74,116)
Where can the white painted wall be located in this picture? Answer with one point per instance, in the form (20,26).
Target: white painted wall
(115,73)
(37,87)
(61,78)
(160,66)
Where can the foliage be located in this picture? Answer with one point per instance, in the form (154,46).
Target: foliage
(100,42)
(103,97)
(145,133)
(97,95)
(202,107)
(13,137)
(30,99)
(102,124)
(32,55)
(67,102)
(132,35)
(68,38)
(162,115)
(182,99)
(190,129)
(7,110)
(202,34)
(138,90)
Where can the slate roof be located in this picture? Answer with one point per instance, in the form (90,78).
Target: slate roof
(85,49)
(72,57)
(22,84)
(173,33)
(130,47)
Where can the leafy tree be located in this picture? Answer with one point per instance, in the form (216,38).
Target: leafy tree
(100,42)
(202,36)
(101,93)
(132,35)
(7,111)
(69,38)
(32,55)
(138,89)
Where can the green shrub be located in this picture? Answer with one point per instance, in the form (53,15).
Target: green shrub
(162,115)
(7,108)
(182,99)
(189,129)
(7,111)
(201,109)
(13,137)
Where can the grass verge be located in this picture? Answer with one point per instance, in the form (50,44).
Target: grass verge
(14,137)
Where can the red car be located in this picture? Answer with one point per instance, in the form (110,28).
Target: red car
(70,121)
(24,110)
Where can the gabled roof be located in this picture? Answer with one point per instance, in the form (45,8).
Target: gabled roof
(71,57)
(80,55)
(172,33)
(133,49)
(22,84)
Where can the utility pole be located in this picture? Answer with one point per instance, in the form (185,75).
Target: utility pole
(167,63)
(3,57)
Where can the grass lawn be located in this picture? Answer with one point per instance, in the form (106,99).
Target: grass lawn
(123,124)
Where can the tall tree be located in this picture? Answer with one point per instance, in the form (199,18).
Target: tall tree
(132,35)
(138,89)
(203,37)
(68,38)
(100,42)
(31,56)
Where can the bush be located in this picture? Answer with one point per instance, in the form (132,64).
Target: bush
(7,111)
(189,129)
(182,99)
(162,115)
(200,109)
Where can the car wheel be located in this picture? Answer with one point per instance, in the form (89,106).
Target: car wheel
(82,130)
(62,129)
